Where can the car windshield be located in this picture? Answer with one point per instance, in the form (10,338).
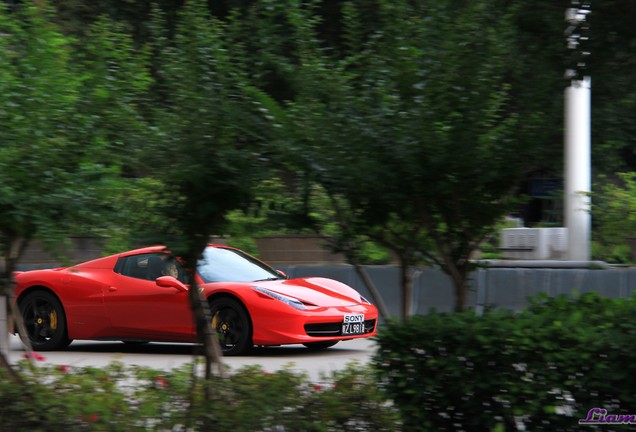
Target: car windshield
(229,265)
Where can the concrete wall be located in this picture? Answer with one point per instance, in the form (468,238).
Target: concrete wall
(80,249)
(507,288)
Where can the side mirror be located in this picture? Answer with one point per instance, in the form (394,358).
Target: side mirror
(282,273)
(170,282)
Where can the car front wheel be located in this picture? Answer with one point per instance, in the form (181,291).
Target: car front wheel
(231,322)
(44,321)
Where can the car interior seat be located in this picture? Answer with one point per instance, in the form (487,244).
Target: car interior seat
(155,267)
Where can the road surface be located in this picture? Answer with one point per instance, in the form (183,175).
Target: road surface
(317,365)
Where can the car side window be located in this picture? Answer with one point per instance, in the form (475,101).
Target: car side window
(150,267)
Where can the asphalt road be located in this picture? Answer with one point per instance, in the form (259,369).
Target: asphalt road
(317,365)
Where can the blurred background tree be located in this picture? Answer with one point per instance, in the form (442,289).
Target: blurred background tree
(539,59)
(65,129)
(206,144)
(417,153)
(614,213)
(383,122)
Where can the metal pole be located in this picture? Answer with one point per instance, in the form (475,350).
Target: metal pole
(578,158)
(578,183)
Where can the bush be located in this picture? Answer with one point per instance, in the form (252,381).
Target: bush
(614,215)
(121,398)
(540,370)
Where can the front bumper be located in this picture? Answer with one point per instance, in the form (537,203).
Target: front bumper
(321,324)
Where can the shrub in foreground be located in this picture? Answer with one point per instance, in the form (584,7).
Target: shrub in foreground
(540,370)
(121,398)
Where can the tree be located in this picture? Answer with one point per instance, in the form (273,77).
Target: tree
(412,129)
(70,118)
(612,40)
(39,89)
(56,159)
(537,63)
(614,213)
(46,176)
(112,116)
(206,148)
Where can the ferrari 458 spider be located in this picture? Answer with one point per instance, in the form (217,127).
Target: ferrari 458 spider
(142,295)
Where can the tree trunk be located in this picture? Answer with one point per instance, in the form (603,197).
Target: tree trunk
(460,281)
(205,334)
(375,294)
(407,287)
(15,248)
(461,295)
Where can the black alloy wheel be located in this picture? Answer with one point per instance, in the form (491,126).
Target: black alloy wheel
(44,321)
(231,322)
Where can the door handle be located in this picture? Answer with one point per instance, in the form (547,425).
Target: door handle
(112,288)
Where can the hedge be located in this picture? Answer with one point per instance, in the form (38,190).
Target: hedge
(542,369)
(130,398)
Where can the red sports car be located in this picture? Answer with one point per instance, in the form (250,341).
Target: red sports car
(142,295)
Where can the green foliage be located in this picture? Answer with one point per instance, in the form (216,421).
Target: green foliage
(411,135)
(614,216)
(120,398)
(39,90)
(614,91)
(69,121)
(273,210)
(543,368)
(417,119)
(206,143)
(136,209)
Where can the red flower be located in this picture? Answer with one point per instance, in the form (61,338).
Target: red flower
(92,418)
(161,382)
(34,356)
(64,368)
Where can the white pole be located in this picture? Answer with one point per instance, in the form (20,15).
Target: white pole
(578,183)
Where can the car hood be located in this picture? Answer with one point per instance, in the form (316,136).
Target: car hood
(317,291)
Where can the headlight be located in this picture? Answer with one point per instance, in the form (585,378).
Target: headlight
(296,304)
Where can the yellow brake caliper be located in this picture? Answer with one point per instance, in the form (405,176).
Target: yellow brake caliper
(53,320)
(220,331)
(215,321)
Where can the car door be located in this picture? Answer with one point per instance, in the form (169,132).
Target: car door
(140,309)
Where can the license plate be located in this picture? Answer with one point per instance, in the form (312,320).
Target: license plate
(353,324)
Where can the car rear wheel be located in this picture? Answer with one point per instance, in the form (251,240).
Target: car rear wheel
(320,345)
(231,322)
(44,321)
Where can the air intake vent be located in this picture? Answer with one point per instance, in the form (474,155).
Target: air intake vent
(334,329)
(534,243)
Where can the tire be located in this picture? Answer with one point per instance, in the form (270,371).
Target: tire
(320,345)
(45,321)
(232,324)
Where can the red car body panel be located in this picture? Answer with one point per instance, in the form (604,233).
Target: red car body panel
(101,303)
